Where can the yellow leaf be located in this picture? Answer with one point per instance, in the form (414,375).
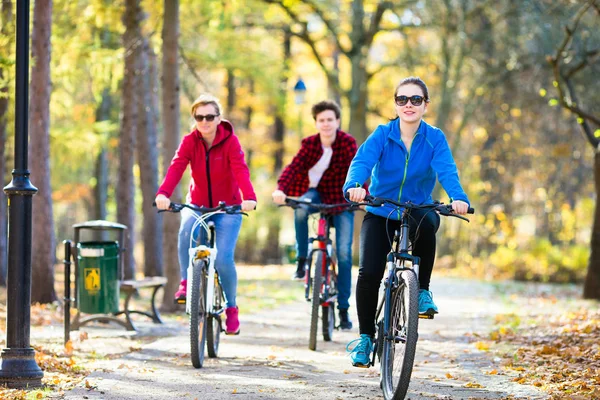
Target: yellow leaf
(449,376)
(474,385)
(483,346)
(234,391)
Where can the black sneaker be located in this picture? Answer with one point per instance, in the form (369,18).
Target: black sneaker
(300,272)
(345,323)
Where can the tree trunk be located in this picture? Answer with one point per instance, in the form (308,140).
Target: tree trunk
(591,288)
(358,99)
(147,151)
(171,134)
(5,20)
(125,187)
(43,241)
(101,171)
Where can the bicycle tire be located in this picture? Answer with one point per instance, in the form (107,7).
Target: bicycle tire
(399,353)
(328,321)
(198,314)
(328,317)
(317,283)
(213,325)
(379,340)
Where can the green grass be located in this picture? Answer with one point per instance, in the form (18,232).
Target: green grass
(263,288)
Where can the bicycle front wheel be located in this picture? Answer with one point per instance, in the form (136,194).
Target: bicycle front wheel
(213,325)
(198,314)
(317,283)
(400,342)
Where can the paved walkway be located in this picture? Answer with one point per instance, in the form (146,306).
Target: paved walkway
(271,360)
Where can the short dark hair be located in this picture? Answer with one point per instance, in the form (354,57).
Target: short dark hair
(413,80)
(324,106)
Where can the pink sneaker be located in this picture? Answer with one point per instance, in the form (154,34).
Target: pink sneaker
(232,323)
(181,292)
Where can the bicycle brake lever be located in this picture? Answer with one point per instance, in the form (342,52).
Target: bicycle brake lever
(460,217)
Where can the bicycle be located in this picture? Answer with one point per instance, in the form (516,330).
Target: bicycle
(396,331)
(204,290)
(323,286)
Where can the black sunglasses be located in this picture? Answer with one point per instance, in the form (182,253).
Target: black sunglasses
(209,117)
(415,100)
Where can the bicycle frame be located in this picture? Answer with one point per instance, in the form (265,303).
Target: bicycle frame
(325,247)
(202,252)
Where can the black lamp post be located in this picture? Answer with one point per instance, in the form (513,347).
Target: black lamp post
(300,91)
(18,368)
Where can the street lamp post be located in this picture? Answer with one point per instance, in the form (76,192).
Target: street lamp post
(18,368)
(300,92)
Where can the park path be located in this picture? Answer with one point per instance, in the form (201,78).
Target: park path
(270,359)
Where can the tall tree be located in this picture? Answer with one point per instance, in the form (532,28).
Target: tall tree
(352,40)
(43,241)
(5,31)
(127,143)
(171,135)
(569,61)
(147,156)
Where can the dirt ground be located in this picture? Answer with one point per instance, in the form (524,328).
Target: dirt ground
(270,359)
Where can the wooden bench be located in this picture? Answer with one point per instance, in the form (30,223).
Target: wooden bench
(130,287)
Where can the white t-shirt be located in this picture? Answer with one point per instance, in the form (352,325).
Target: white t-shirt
(316,172)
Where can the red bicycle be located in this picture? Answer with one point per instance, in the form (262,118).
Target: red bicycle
(323,285)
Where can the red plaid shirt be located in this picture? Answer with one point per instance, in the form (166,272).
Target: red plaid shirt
(294,178)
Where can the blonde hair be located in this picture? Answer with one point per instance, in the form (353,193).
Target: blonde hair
(205,99)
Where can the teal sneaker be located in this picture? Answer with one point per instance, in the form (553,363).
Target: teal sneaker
(426,304)
(361,353)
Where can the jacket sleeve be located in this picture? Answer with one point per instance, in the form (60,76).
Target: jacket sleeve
(240,169)
(445,167)
(296,168)
(366,157)
(183,157)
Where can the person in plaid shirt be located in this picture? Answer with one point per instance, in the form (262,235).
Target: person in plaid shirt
(318,172)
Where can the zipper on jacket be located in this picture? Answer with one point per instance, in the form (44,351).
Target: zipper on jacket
(210,202)
(405,170)
(403,180)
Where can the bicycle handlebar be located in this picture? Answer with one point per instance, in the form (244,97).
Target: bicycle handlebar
(295,203)
(443,209)
(177,207)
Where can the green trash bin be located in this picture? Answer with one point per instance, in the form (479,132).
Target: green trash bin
(98,282)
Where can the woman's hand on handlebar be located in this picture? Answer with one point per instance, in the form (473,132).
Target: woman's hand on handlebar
(162,202)
(356,194)
(460,207)
(248,205)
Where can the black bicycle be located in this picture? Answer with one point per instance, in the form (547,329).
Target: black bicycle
(206,300)
(323,285)
(397,316)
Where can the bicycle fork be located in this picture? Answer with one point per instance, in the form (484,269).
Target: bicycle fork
(197,254)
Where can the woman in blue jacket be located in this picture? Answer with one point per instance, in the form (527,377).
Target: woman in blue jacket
(403,159)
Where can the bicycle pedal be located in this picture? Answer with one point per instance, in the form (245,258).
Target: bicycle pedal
(179,301)
(426,316)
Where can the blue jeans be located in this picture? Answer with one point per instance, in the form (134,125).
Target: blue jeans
(344,228)
(227,231)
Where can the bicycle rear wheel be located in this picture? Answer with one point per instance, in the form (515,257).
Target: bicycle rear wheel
(213,326)
(400,343)
(328,317)
(198,314)
(317,283)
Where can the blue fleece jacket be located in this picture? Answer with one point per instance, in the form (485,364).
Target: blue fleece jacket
(401,175)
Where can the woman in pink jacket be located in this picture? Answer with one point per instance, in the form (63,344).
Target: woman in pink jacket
(219,173)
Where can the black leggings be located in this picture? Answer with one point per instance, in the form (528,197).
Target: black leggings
(375,240)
